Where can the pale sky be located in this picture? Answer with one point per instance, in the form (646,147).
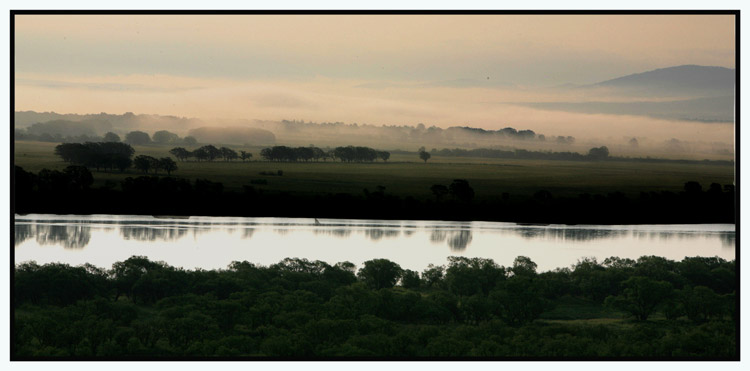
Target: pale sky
(381,69)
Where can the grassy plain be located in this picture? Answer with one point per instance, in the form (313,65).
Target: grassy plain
(406,175)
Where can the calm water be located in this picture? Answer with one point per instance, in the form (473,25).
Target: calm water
(211,242)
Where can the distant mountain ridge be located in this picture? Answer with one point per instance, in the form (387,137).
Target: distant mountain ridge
(699,81)
(688,92)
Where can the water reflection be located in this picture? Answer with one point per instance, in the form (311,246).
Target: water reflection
(458,240)
(248,233)
(70,236)
(337,232)
(727,240)
(573,234)
(76,232)
(376,234)
(22,233)
(438,236)
(153,233)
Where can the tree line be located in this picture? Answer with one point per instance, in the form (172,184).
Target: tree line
(136,137)
(470,307)
(312,153)
(209,153)
(447,201)
(595,153)
(111,156)
(102,155)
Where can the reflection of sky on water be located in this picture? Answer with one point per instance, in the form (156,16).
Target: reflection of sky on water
(214,242)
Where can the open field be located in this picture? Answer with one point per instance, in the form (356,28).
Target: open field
(406,175)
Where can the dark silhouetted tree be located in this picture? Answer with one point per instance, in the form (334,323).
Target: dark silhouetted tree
(165,137)
(167,164)
(111,137)
(410,279)
(380,273)
(523,266)
(228,154)
(180,153)
(384,155)
(600,153)
(461,190)
(79,178)
(439,191)
(144,163)
(245,155)
(207,153)
(693,188)
(137,138)
(424,155)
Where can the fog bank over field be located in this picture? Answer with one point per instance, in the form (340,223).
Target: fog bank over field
(665,80)
(707,141)
(690,108)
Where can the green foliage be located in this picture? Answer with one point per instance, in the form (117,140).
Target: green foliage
(641,296)
(303,308)
(410,279)
(518,301)
(469,276)
(700,303)
(433,276)
(380,273)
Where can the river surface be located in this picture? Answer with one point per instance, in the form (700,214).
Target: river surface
(214,242)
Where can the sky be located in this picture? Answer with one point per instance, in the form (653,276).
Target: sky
(442,70)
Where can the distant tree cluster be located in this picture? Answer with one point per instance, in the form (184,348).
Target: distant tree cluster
(73,178)
(420,132)
(209,153)
(147,163)
(161,137)
(597,153)
(312,153)
(291,154)
(20,134)
(107,155)
(470,307)
(137,137)
(458,190)
(359,154)
(562,140)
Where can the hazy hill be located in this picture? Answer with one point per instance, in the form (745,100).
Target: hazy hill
(692,80)
(711,109)
(125,122)
(689,92)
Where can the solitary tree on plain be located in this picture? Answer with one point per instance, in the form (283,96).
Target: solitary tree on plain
(424,155)
(167,164)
